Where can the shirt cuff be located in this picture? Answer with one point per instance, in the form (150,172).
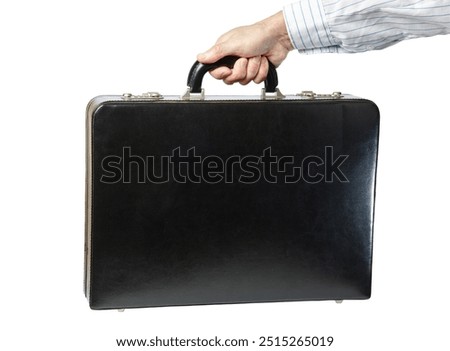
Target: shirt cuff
(308,28)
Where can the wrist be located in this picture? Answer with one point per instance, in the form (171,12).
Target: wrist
(276,28)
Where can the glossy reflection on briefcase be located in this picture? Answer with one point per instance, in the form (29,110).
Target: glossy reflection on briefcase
(199,199)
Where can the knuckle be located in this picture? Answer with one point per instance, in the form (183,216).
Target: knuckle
(241,74)
(220,73)
(215,74)
(218,49)
(258,80)
(240,70)
(252,72)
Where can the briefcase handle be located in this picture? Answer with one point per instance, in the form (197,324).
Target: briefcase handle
(198,70)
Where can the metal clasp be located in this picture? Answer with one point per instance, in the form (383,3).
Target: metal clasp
(152,95)
(312,95)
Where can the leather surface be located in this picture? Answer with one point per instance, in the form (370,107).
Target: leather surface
(199,243)
(198,70)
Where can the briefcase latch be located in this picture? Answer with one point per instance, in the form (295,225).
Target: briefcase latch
(150,96)
(312,95)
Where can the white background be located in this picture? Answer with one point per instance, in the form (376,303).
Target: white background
(57,55)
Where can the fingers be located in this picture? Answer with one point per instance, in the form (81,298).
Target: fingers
(244,71)
(221,72)
(262,71)
(239,71)
(252,69)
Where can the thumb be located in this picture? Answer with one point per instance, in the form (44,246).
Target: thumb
(214,54)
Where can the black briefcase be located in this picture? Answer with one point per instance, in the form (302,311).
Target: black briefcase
(229,199)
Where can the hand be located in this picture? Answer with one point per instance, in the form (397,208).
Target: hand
(256,44)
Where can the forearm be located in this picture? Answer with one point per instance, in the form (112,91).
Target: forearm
(316,26)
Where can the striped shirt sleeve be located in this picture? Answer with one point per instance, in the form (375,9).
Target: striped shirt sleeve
(319,26)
